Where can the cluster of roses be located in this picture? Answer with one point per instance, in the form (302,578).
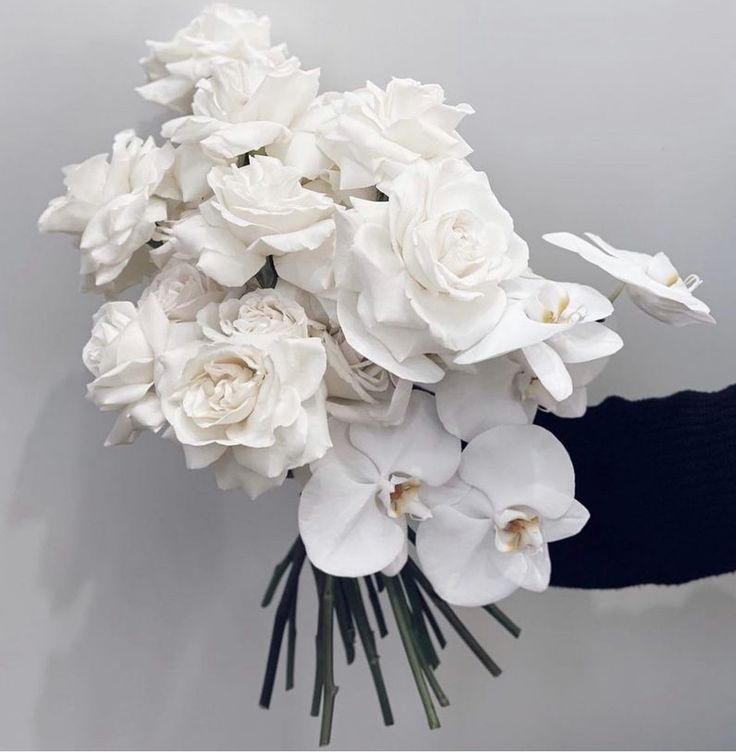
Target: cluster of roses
(331,291)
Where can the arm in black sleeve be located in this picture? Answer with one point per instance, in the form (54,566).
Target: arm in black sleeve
(658,477)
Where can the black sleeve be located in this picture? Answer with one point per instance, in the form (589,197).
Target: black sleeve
(658,477)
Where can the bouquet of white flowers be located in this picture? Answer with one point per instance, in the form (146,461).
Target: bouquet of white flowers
(329,290)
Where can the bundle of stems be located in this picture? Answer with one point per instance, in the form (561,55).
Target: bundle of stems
(341,601)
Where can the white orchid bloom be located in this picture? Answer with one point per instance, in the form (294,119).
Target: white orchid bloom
(553,325)
(537,310)
(487,395)
(652,281)
(353,510)
(576,404)
(513,495)
(507,391)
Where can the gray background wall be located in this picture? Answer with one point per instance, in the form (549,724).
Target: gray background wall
(129,588)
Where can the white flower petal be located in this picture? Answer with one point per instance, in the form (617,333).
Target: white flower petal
(547,365)
(419,448)
(470,402)
(500,460)
(568,525)
(344,530)
(457,554)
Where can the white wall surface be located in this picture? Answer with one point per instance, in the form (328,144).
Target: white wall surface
(129,588)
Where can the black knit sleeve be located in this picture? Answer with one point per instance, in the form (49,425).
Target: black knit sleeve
(658,477)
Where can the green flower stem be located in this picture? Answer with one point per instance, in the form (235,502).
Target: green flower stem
(453,619)
(291,646)
(421,636)
(279,572)
(442,698)
(396,596)
(267,276)
(367,639)
(616,292)
(328,682)
(441,641)
(503,619)
(344,621)
(283,613)
(318,666)
(376,605)
(317,689)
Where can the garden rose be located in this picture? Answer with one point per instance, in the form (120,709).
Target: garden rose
(259,210)
(377,132)
(243,107)
(300,147)
(121,354)
(112,205)
(257,318)
(182,291)
(419,275)
(357,389)
(252,402)
(219,34)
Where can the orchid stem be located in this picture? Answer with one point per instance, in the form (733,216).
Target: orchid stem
(367,639)
(345,621)
(376,605)
(283,613)
(453,619)
(396,596)
(278,573)
(328,681)
(616,292)
(423,640)
(318,667)
(503,619)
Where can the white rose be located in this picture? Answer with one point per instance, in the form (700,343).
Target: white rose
(121,355)
(257,318)
(259,210)
(220,33)
(357,389)
(243,107)
(182,291)
(112,205)
(252,406)
(300,147)
(419,275)
(186,180)
(378,132)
